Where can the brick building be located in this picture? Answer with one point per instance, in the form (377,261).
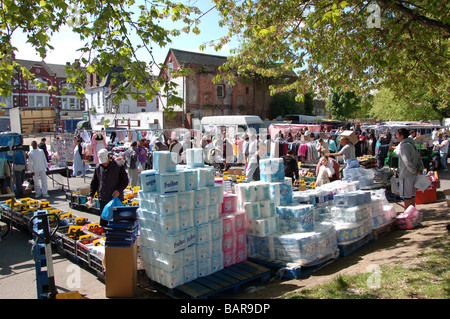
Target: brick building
(204,98)
(26,93)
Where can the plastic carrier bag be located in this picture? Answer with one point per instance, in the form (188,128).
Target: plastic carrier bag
(107,212)
(422,182)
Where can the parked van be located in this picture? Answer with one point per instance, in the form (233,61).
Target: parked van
(243,123)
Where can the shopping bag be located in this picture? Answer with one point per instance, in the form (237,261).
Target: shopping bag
(395,187)
(422,182)
(107,213)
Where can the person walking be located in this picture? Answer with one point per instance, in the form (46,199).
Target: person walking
(409,166)
(131,157)
(443,152)
(38,166)
(78,169)
(109,181)
(291,166)
(142,153)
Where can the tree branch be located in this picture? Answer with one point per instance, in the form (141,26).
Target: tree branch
(423,20)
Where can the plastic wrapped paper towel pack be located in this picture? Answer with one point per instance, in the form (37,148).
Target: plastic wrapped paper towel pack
(252,209)
(164,161)
(281,192)
(353,214)
(296,218)
(246,192)
(271,170)
(188,177)
(262,190)
(352,199)
(148,180)
(229,203)
(206,176)
(167,183)
(194,157)
(350,232)
(263,226)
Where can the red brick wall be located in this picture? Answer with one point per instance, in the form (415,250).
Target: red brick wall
(245,97)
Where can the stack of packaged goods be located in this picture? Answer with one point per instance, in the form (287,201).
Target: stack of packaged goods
(383,213)
(122,230)
(179,217)
(355,172)
(294,236)
(351,216)
(272,172)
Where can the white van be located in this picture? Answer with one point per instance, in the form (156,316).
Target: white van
(242,123)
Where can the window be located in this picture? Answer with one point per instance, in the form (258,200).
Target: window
(70,103)
(32,84)
(220,90)
(38,100)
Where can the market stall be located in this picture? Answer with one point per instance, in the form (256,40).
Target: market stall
(199,234)
(286,128)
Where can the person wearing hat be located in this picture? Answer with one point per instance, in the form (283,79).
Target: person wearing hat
(443,152)
(347,151)
(109,181)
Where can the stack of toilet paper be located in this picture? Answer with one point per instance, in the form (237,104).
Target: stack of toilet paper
(181,232)
(281,191)
(254,199)
(296,218)
(302,248)
(271,170)
(234,238)
(383,213)
(355,172)
(351,216)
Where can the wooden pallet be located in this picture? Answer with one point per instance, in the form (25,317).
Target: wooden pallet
(228,281)
(290,270)
(348,249)
(383,231)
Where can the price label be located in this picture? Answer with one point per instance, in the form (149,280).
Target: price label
(66,215)
(74,229)
(80,220)
(87,236)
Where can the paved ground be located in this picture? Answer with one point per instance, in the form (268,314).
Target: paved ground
(17,271)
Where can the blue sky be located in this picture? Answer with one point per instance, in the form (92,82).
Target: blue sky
(66,43)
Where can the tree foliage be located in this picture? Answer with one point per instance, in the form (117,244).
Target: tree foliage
(285,103)
(343,104)
(108,29)
(386,106)
(356,45)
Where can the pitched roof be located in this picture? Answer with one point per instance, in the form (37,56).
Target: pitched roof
(53,69)
(198,58)
(206,59)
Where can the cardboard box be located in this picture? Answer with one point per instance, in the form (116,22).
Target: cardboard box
(84,191)
(351,136)
(121,271)
(447,196)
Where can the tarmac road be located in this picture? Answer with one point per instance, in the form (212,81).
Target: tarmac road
(17,269)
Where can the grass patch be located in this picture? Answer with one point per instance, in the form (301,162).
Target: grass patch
(429,279)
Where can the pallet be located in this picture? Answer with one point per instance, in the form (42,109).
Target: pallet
(348,249)
(279,268)
(229,280)
(383,231)
(290,270)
